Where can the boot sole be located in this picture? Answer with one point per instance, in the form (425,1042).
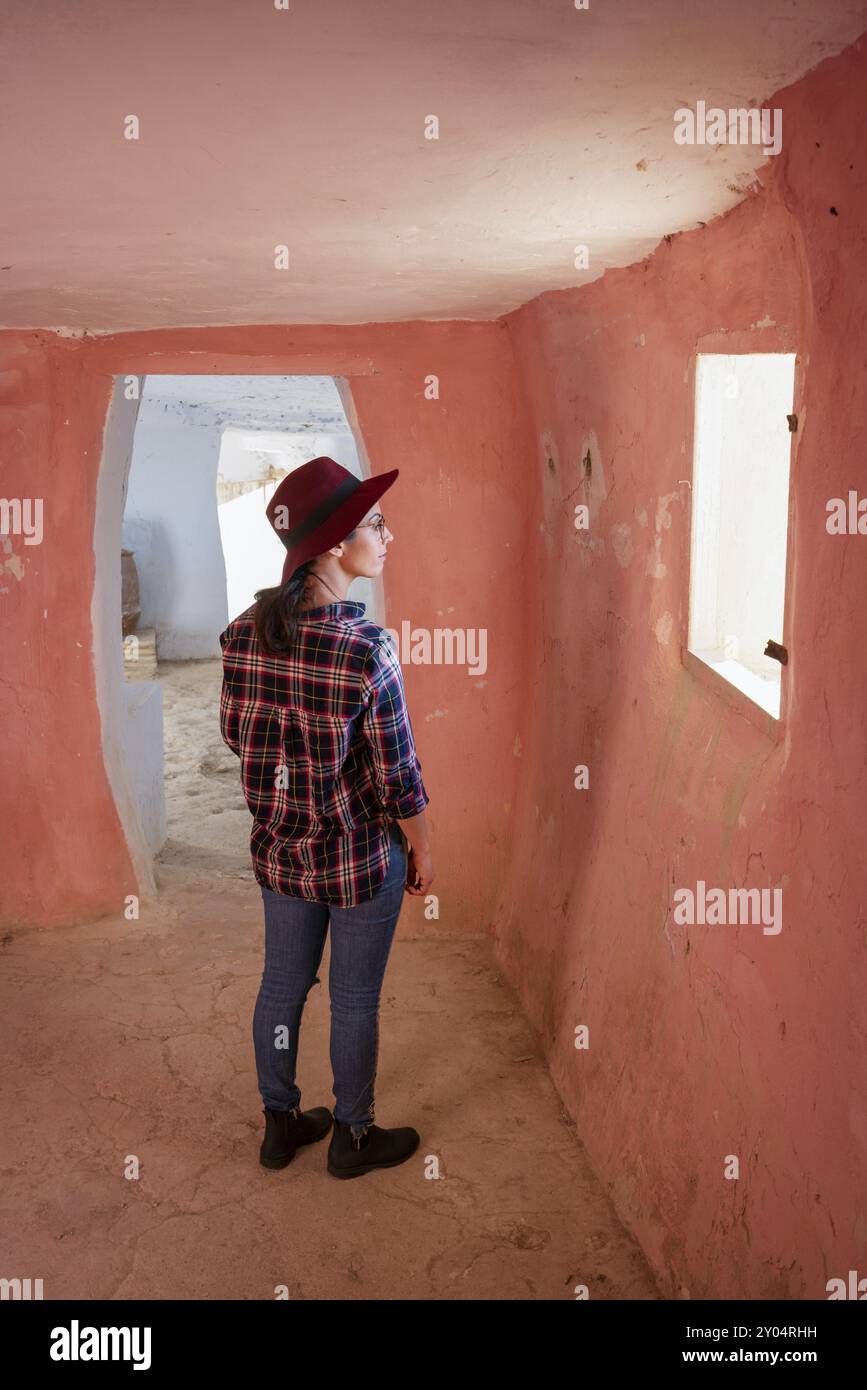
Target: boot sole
(370,1167)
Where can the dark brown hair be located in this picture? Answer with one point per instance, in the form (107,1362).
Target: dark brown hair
(276,613)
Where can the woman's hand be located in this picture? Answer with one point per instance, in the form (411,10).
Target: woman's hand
(419,872)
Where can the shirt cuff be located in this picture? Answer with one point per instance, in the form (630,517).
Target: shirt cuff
(409,803)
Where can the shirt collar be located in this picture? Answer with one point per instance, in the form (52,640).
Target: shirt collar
(345,608)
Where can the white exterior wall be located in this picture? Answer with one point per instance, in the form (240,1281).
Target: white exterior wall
(171,524)
(200,561)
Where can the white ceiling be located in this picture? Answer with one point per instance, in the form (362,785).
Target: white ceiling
(305,127)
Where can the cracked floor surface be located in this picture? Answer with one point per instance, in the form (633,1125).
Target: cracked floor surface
(129,1042)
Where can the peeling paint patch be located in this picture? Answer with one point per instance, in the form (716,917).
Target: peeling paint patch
(662,522)
(548,451)
(518,752)
(621,543)
(437,714)
(641,516)
(766,322)
(663,515)
(590,546)
(655,566)
(13,564)
(663,627)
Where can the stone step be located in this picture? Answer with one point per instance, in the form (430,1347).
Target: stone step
(140,655)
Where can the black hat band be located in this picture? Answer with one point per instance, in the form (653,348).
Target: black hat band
(344,490)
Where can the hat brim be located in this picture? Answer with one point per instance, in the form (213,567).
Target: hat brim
(338,525)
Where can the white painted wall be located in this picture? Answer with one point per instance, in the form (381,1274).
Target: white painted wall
(200,561)
(252,552)
(131,715)
(246,453)
(144,741)
(254,555)
(171,525)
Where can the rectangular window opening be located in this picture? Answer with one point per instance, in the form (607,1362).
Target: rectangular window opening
(740,517)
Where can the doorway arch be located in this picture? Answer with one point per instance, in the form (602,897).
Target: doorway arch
(131,713)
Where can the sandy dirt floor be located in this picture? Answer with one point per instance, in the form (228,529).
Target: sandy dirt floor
(129,1148)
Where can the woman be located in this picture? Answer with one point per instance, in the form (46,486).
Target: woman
(314,706)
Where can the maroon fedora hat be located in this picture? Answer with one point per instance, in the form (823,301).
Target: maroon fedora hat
(318,504)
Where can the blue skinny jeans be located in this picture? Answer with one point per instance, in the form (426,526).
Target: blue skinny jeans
(361,937)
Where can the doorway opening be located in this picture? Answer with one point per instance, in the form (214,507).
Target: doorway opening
(202,457)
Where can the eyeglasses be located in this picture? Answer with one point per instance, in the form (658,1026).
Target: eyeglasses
(379,522)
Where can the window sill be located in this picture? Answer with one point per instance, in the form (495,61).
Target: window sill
(735,697)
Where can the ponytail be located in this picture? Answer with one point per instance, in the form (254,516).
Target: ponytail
(276,613)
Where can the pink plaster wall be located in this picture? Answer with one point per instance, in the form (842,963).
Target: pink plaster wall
(62,853)
(457,513)
(704,1041)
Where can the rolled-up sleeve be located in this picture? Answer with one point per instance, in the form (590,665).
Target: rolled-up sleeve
(388,733)
(228,707)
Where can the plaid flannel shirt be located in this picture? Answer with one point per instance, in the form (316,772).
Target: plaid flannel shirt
(326,749)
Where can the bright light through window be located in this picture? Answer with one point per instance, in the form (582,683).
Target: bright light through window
(740,517)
